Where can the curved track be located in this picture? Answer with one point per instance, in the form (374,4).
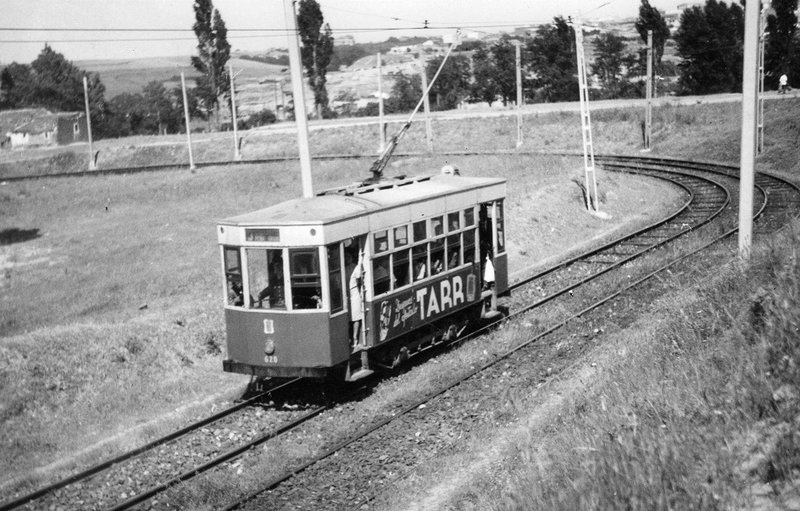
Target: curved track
(712,196)
(714,193)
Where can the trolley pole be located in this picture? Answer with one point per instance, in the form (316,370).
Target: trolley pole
(236,154)
(427,105)
(381,125)
(92,162)
(299,99)
(648,117)
(188,126)
(749,115)
(518,60)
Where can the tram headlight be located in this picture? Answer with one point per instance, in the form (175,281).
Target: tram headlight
(269,347)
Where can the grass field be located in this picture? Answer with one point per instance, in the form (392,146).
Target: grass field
(111,283)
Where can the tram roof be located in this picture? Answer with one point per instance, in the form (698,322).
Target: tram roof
(347,202)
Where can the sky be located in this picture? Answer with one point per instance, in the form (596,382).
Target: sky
(128,29)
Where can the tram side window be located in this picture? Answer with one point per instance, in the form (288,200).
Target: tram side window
(335,276)
(437,226)
(381,241)
(469,217)
(453,222)
(420,231)
(305,279)
(233,277)
(469,246)
(420,261)
(380,275)
(501,240)
(400,236)
(400,267)
(453,251)
(437,256)
(265,278)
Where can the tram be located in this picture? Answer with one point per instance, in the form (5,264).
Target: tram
(363,276)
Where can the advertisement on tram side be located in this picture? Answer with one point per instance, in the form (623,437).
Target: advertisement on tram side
(423,303)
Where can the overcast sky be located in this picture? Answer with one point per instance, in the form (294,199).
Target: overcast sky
(256,25)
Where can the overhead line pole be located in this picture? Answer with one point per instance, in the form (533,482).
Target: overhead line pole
(188,126)
(427,105)
(237,155)
(92,162)
(381,125)
(749,119)
(648,117)
(518,60)
(299,99)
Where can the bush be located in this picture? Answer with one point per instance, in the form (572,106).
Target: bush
(261,118)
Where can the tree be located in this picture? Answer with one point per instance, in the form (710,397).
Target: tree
(16,85)
(213,53)
(504,55)
(451,87)
(483,86)
(317,50)
(650,19)
(553,63)
(609,59)
(782,48)
(406,93)
(163,114)
(710,42)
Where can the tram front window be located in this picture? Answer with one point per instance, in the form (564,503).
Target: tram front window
(265,278)
(305,277)
(233,277)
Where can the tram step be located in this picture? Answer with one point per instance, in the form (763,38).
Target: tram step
(361,373)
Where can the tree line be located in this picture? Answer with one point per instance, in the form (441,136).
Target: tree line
(708,42)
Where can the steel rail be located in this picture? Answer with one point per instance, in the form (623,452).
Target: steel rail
(273,483)
(25,499)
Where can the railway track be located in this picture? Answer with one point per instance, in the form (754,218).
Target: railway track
(713,193)
(711,198)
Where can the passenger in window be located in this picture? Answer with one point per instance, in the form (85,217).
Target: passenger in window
(235,293)
(420,270)
(437,266)
(453,262)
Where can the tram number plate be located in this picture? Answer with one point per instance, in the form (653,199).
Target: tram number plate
(271,359)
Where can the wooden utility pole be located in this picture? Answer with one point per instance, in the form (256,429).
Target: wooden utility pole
(188,125)
(92,161)
(518,60)
(381,125)
(749,120)
(299,99)
(427,105)
(236,154)
(648,116)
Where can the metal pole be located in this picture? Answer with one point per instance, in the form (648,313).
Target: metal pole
(92,163)
(236,154)
(188,126)
(748,143)
(299,99)
(381,126)
(592,202)
(427,105)
(518,60)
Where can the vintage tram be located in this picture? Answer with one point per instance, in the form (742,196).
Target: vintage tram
(362,276)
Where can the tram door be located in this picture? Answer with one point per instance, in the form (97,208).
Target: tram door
(355,267)
(486,240)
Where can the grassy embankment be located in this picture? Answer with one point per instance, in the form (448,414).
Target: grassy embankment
(88,343)
(694,406)
(111,296)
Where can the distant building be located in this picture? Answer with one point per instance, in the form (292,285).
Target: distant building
(345,40)
(40,127)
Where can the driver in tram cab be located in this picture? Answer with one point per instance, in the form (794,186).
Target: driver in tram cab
(235,293)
